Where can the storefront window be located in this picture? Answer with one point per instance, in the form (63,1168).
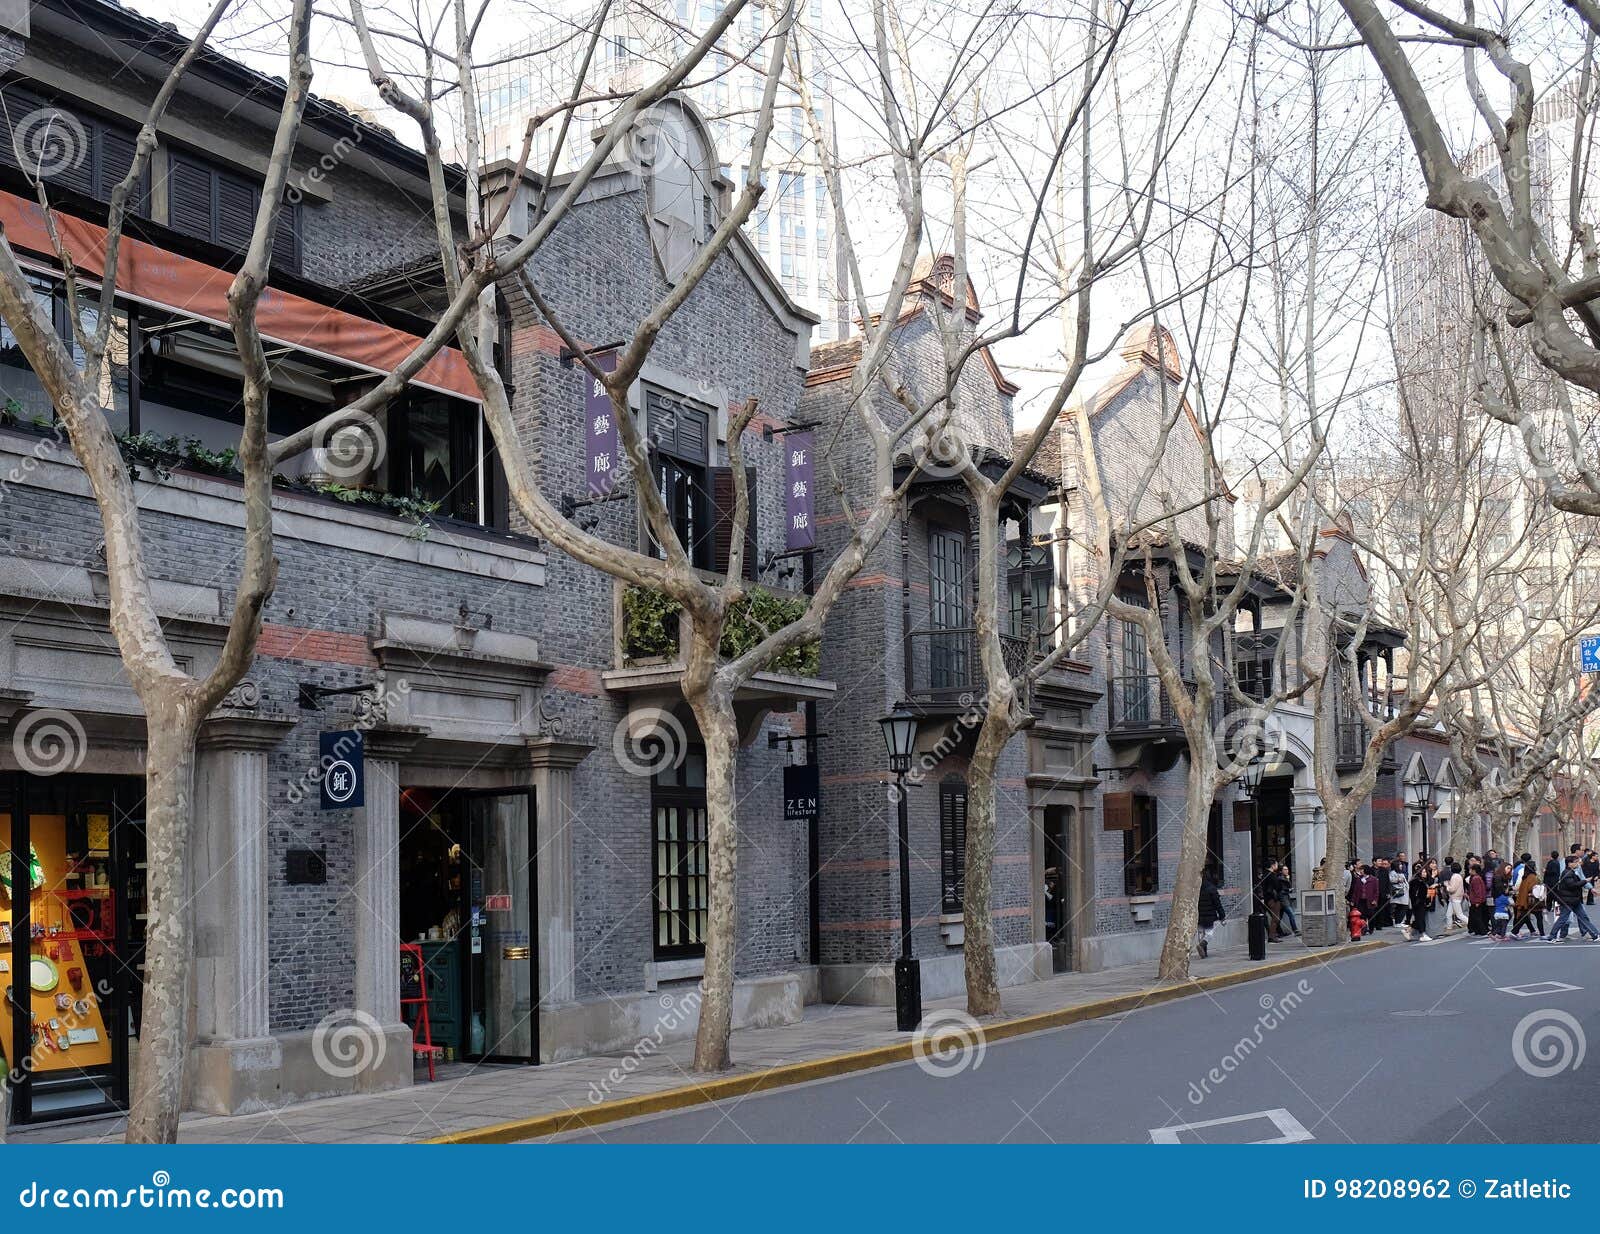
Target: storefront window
(72,909)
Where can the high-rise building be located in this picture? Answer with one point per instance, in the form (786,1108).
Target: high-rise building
(792,226)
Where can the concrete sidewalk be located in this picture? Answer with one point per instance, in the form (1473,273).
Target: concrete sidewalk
(484,1103)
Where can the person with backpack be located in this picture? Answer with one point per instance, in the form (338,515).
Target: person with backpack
(1570,888)
(1527,901)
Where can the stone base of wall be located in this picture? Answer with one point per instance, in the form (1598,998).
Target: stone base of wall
(243,1077)
(872,985)
(643,1020)
(1104,951)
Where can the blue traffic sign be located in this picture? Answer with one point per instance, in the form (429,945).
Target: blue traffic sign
(1589,653)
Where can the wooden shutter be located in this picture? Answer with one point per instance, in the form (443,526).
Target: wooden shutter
(286,238)
(1117,811)
(28,134)
(722,498)
(1243,815)
(237,201)
(190,197)
(953,846)
(115,149)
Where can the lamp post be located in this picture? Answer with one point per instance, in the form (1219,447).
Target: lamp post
(1251,779)
(1419,795)
(900,736)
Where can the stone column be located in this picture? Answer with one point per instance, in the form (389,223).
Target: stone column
(236,1059)
(552,761)
(1310,837)
(377,877)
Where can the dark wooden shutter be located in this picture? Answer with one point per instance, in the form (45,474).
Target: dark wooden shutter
(1117,811)
(1243,815)
(24,124)
(115,153)
(953,846)
(191,197)
(722,498)
(237,201)
(286,238)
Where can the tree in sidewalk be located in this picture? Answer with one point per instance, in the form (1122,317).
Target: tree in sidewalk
(175,701)
(711,679)
(1525,197)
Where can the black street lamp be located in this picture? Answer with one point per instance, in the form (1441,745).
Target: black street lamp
(900,736)
(1419,796)
(1250,777)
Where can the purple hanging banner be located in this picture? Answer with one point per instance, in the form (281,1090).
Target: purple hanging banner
(799,532)
(604,443)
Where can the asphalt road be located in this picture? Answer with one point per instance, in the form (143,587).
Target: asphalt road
(1416,1043)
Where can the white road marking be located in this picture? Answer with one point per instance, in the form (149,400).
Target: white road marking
(1536,988)
(1291,1130)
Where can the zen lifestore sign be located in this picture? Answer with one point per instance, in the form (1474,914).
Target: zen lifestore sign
(343,764)
(802,791)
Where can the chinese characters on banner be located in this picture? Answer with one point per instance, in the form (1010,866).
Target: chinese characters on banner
(799,532)
(604,451)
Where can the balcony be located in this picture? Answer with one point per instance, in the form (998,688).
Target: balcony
(944,670)
(1350,748)
(651,638)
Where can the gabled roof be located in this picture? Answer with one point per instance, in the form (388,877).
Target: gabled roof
(932,278)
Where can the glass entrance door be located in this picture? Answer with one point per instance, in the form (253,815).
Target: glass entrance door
(503,915)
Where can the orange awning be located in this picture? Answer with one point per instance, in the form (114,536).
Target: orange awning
(166,280)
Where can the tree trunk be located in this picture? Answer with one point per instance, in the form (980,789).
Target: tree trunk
(720,731)
(983,985)
(1341,816)
(157,1096)
(1178,945)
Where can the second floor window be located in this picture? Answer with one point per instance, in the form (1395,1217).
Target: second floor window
(219,205)
(679,433)
(948,610)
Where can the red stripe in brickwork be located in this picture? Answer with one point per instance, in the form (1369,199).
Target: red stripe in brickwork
(575,680)
(326,646)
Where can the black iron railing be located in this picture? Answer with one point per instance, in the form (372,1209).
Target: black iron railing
(943,665)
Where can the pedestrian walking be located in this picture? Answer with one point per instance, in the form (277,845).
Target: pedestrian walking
(1400,897)
(1286,897)
(1591,871)
(1477,901)
(1211,911)
(1456,890)
(1419,890)
(1527,900)
(1570,889)
(1502,916)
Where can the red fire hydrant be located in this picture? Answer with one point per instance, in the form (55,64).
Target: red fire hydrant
(1357,924)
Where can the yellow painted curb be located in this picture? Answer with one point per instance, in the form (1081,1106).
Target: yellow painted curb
(707,1091)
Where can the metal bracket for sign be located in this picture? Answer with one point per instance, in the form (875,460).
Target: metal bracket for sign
(570,505)
(768,431)
(774,740)
(569,357)
(311,695)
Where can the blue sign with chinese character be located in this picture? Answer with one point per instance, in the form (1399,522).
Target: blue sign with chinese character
(1589,653)
(343,767)
(603,468)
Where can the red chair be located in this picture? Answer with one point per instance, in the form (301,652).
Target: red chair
(420,1046)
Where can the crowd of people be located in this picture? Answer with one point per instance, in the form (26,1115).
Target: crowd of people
(1483,894)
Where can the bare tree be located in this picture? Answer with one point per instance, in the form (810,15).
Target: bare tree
(1526,197)
(711,680)
(175,702)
